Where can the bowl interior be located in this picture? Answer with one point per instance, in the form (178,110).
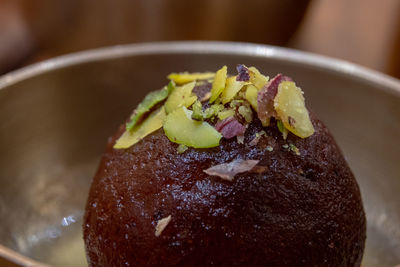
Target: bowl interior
(54,127)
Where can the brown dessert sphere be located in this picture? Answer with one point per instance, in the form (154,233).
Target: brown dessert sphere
(301,208)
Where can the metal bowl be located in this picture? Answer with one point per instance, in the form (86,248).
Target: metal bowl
(57,115)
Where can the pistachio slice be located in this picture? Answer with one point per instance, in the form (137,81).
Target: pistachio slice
(225,114)
(246,113)
(212,111)
(232,88)
(197,111)
(294,149)
(265,99)
(291,110)
(180,128)
(218,84)
(186,77)
(181,96)
(149,125)
(181,149)
(150,100)
(257,78)
(251,95)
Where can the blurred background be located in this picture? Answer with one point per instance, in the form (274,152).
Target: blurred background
(366,32)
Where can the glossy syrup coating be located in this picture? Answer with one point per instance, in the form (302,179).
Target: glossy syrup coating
(304,210)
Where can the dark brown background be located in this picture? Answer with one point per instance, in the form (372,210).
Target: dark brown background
(365,32)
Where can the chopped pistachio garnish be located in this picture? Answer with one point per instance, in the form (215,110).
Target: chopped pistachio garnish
(290,108)
(294,149)
(149,125)
(236,103)
(186,77)
(261,133)
(285,146)
(231,89)
(219,83)
(246,113)
(180,128)
(181,149)
(282,129)
(257,138)
(181,96)
(213,110)
(233,100)
(197,111)
(269,148)
(257,78)
(148,103)
(225,114)
(251,96)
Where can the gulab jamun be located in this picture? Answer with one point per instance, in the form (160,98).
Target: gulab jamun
(219,170)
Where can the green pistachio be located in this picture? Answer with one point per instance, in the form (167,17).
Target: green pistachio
(180,128)
(219,83)
(291,110)
(186,77)
(251,96)
(181,96)
(231,89)
(150,100)
(181,149)
(152,123)
(257,78)
(226,114)
(213,110)
(294,149)
(246,113)
(197,111)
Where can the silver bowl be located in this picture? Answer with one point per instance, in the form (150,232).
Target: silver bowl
(56,116)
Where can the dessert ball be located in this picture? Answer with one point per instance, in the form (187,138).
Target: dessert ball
(218,170)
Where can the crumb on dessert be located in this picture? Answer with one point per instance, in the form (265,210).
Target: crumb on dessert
(161,224)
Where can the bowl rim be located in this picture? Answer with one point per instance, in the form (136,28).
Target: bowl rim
(384,82)
(390,84)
